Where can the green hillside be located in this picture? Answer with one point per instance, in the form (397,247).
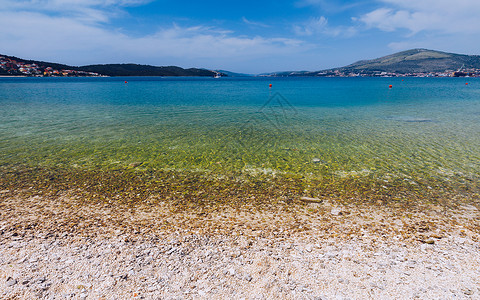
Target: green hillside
(144,70)
(11,65)
(416,61)
(405,62)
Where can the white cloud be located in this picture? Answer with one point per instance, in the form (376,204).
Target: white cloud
(39,35)
(67,4)
(316,25)
(442,16)
(253,23)
(320,26)
(83,10)
(334,6)
(209,43)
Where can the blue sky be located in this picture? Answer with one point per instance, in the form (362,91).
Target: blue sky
(241,36)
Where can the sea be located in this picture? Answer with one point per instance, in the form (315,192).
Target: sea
(418,132)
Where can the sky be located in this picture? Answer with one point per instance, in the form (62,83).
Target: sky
(241,36)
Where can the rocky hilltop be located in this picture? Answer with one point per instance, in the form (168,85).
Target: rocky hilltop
(415,62)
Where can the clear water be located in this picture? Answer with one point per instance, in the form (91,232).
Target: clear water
(422,130)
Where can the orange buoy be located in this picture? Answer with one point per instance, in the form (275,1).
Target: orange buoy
(390,86)
(270,85)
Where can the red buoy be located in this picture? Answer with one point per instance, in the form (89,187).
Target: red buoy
(390,86)
(466,83)
(126,81)
(270,85)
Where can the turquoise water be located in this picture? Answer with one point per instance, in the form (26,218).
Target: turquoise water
(423,130)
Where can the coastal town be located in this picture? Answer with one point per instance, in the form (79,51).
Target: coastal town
(12,67)
(462,72)
(344,72)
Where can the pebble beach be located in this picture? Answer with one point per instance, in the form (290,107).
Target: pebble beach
(63,248)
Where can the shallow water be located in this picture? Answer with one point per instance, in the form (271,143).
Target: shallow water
(422,130)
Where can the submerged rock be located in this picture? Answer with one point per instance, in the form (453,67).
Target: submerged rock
(310,200)
(410,119)
(135,164)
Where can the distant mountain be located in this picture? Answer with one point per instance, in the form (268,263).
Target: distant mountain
(14,66)
(405,62)
(233,74)
(144,70)
(417,61)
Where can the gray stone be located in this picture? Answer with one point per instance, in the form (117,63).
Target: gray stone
(41,279)
(11,282)
(336,212)
(152,288)
(330,254)
(135,164)
(468,292)
(317,160)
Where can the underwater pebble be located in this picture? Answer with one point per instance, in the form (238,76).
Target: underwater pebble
(135,164)
(310,200)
